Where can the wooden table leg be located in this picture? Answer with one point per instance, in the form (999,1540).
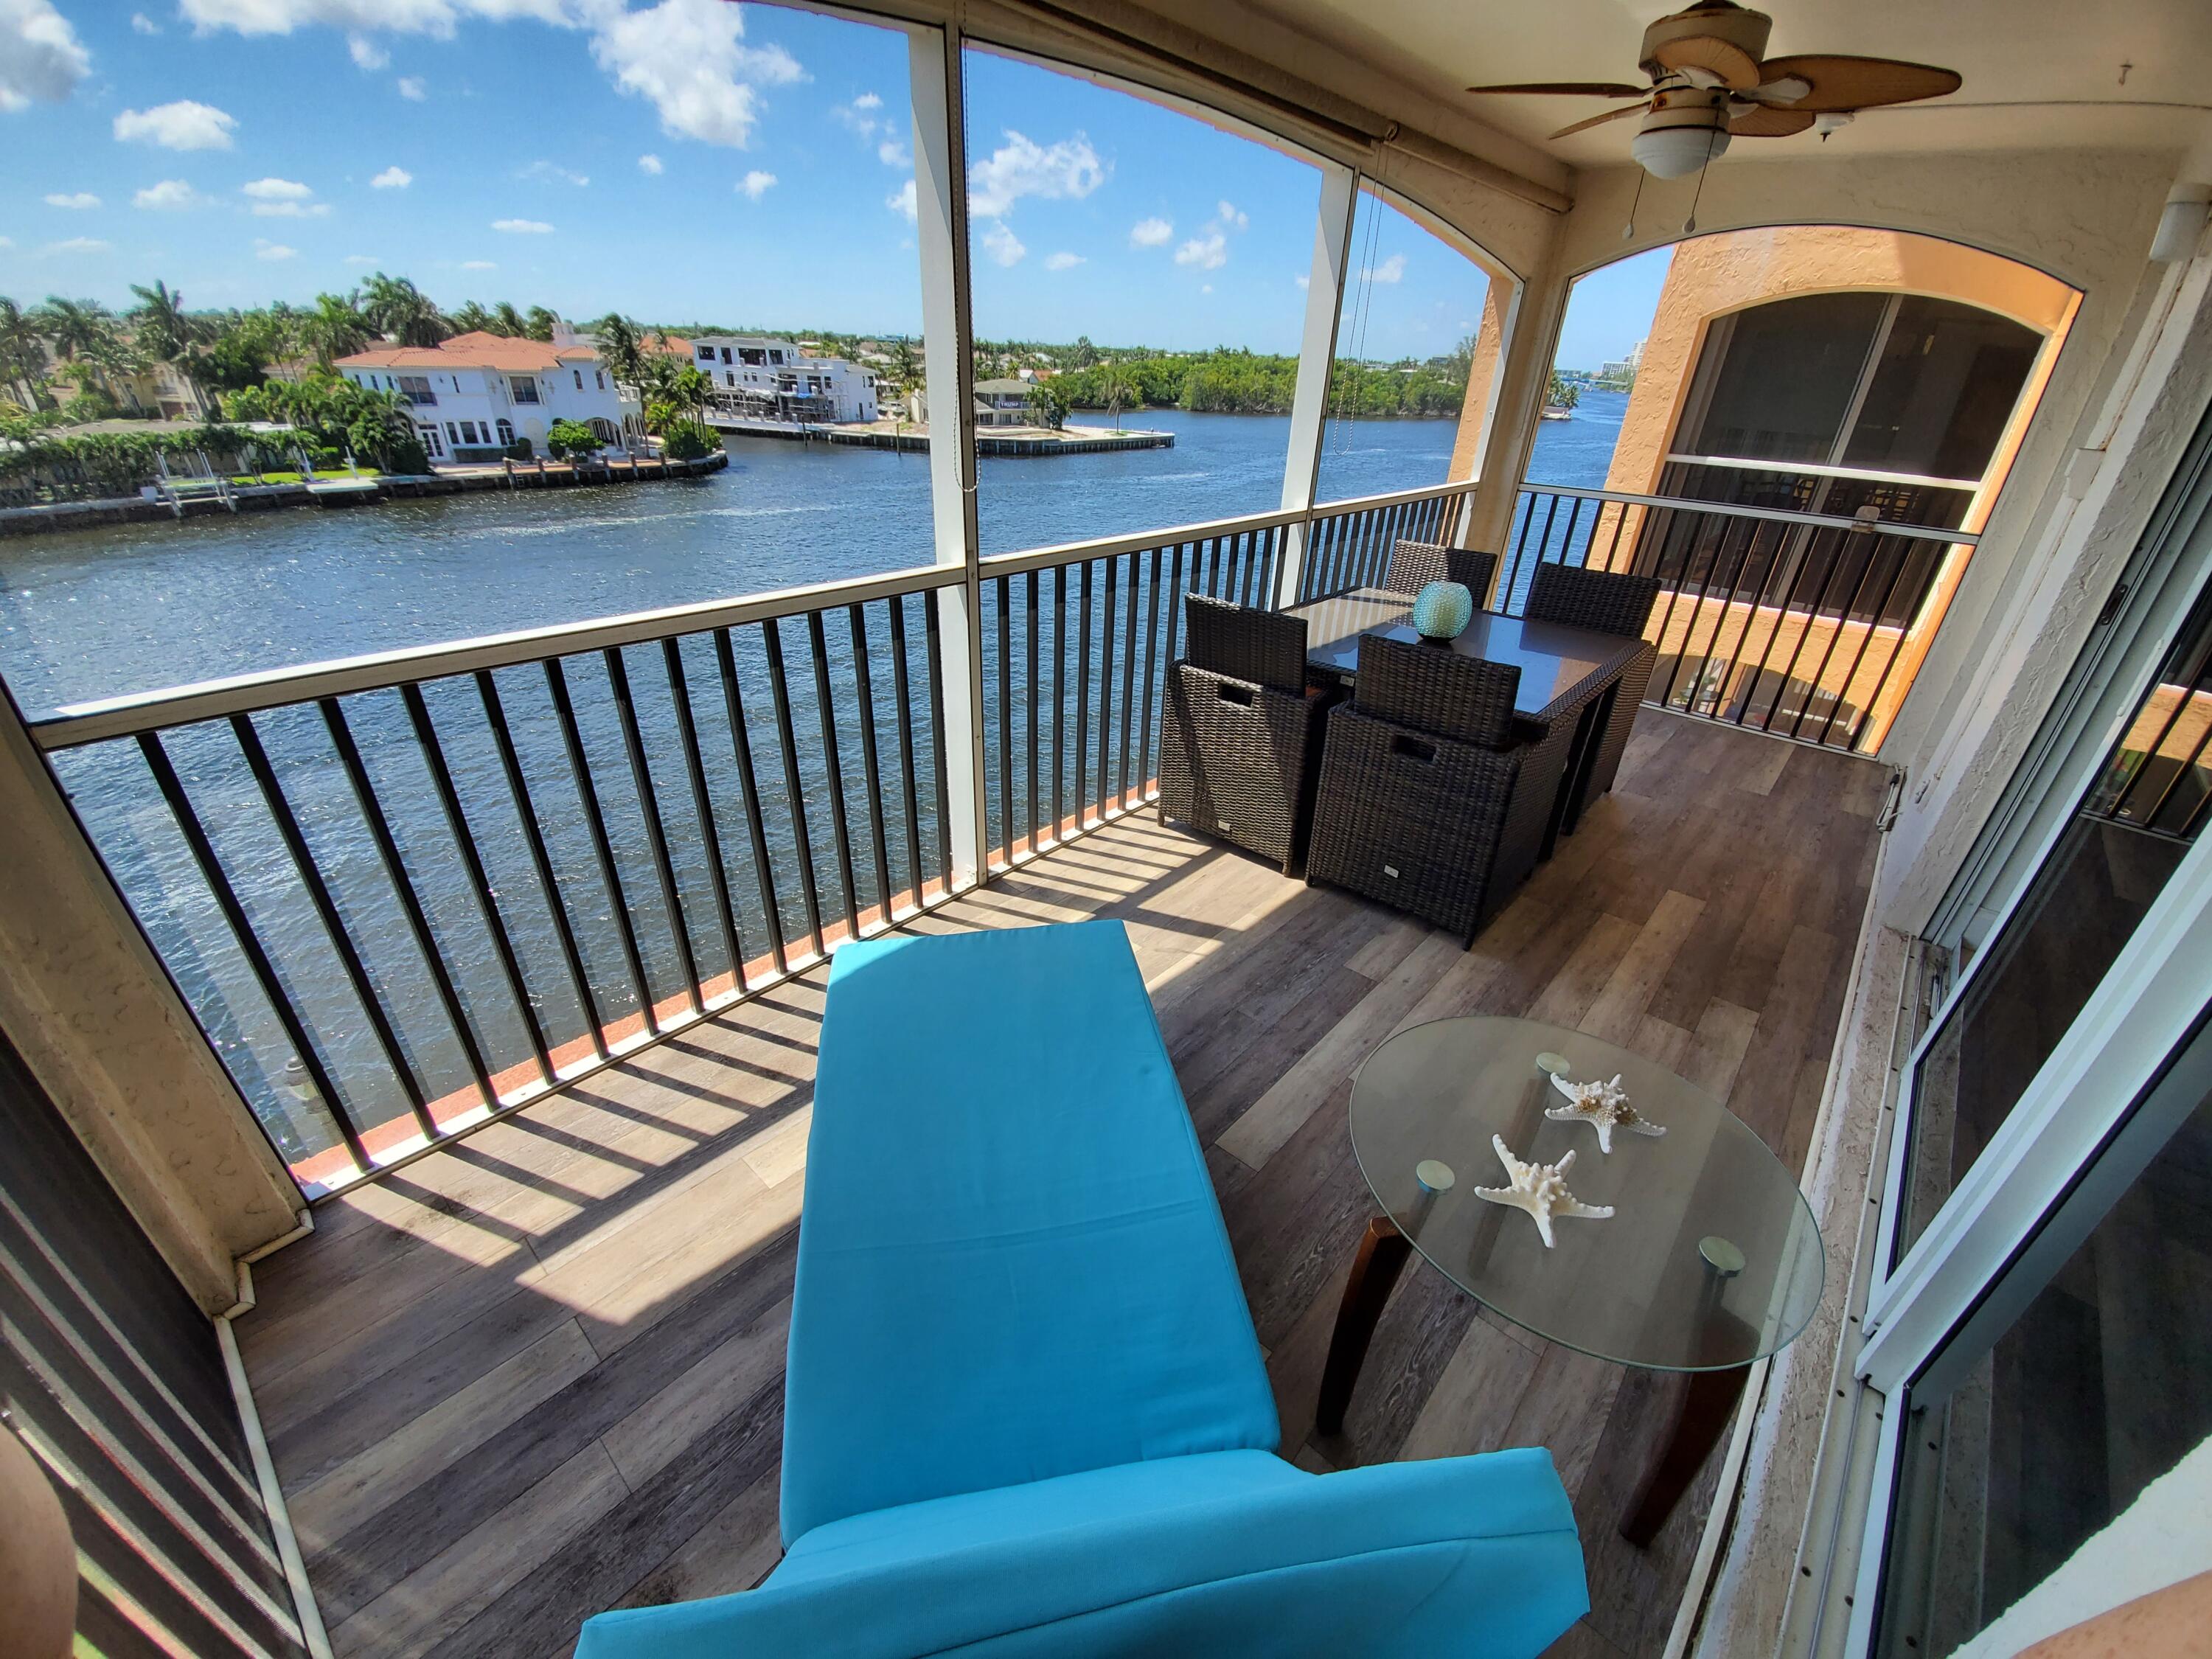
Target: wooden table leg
(1375,1270)
(1699,1421)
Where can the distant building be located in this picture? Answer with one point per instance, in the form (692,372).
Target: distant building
(998,402)
(475,394)
(762,377)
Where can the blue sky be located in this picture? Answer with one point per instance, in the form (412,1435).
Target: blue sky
(682,160)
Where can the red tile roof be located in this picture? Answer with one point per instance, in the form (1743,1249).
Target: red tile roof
(500,352)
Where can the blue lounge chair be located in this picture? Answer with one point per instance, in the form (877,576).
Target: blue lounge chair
(1025,1413)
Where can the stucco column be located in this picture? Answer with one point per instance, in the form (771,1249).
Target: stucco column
(99,1024)
(1524,371)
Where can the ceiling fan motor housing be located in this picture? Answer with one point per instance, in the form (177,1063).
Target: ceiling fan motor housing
(1737,27)
(1686,128)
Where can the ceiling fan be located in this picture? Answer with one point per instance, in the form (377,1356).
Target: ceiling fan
(1710,81)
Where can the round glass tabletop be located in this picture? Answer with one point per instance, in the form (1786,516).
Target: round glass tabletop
(1710,1258)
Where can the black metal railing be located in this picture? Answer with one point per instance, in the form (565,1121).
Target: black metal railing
(1348,545)
(1798,624)
(406,893)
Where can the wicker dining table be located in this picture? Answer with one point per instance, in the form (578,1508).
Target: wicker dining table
(1567,673)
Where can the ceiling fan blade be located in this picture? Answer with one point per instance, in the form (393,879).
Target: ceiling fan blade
(1761,121)
(1848,83)
(1572,89)
(1597,121)
(1735,67)
(1786,91)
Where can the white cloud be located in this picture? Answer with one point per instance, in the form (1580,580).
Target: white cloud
(1151,232)
(1392,270)
(689,59)
(1062,261)
(1069,170)
(902,200)
(277,190)
(184,125)
(267,250)
(892,153)
(6,241)
(755,185)
(75,200)
(1205,287)
(412,89)
(392,178)
(868,101)
(649,164)
(522,226)
(553,174)
(363,259)
(1230,219)
(1002,245)
(1208,252)
(41,56)
(77,245)
(1303,279)
(141,24)
(291,209)
(367,54)
(170,196)
(860,114)
(478,264)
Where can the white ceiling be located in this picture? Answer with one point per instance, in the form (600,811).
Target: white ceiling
(2064,56)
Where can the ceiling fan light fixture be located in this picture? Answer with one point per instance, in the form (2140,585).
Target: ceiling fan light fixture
(1681,135)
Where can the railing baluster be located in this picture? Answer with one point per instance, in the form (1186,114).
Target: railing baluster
(899,693)
(656,837)
(1507,602)
(871,767)
(326,911)
(249,942)
(1129,678)
(702,807)
(1705,661)
(1106,682)
(1029,643)
(1835,567)
(932,624)
(442,777)
(572,739)
(1151,672)
(787,739)
(1083,696)
(1873,621)
(741,746)
(1006,721)
(411,902)
(1058,694)
(1751,617)
(840,830)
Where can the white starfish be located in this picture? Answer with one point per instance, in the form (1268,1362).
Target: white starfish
(1541,1189)
(1603,1106)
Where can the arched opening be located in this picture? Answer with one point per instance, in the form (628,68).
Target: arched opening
(1806,414)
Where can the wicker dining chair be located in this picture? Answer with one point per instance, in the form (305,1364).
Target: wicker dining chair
(1611,602)
(1415,565)
(1434,797)
(1240,736)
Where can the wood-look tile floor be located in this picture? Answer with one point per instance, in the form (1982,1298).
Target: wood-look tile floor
(540,1373)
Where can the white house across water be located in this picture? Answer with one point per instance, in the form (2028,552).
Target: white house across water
(476,393)
(766,378)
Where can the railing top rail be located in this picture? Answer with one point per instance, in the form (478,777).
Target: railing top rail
(1730,510)
(77,724)
(1393,498)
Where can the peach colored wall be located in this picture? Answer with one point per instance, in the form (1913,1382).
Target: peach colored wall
(1481,379)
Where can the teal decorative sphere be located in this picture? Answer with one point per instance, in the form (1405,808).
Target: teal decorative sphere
(1442,610)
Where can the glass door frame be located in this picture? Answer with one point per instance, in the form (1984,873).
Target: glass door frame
(2084,1101)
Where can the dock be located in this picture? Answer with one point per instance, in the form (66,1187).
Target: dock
(1029,441)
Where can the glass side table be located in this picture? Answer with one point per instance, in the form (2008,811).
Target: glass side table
(1710,1262)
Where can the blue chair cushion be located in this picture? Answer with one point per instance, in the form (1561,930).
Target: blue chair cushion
(1227,1553)
(1011,1263)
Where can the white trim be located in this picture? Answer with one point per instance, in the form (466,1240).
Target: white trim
(313,1635)
(1882,1493)
(1325,283)
(1822,470)
(2146,1003)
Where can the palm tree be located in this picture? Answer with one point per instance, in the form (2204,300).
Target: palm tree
(335,328)
(505,320)
(1121,394)
(619,347)
(398,309)
(23,351)
(74,327)
(469,318)
(539,324)
(166,329)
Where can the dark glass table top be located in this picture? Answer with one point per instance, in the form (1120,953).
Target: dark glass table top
(1711,1259)
(1559,664)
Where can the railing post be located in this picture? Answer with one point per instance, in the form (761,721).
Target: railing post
(1340,201)
(940,171)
